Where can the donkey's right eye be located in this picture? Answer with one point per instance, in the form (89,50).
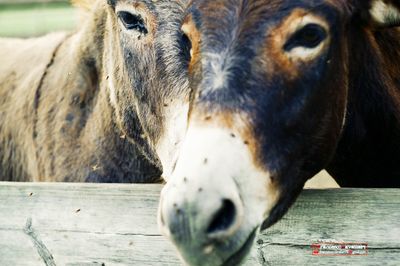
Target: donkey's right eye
(309,37)
(132,22)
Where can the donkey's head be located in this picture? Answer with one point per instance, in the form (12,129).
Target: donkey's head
(271,83)
(146,60)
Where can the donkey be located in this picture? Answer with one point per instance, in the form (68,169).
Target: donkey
(107,103)
(282,89)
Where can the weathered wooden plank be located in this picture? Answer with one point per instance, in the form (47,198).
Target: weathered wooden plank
(118,209)
(85,224)
(347,215)
(359,215)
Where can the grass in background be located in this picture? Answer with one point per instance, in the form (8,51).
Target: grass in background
(25,20)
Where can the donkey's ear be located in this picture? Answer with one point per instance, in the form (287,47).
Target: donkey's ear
(382,13)
(83,4)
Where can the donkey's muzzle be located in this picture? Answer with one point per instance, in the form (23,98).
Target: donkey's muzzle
(189,223)
(200,221)
(216,198)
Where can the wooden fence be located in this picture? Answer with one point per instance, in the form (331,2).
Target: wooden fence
(85,224)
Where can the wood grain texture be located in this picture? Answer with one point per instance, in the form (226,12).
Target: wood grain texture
(347,215)
(85,224)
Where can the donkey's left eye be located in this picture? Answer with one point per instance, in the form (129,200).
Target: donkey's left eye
(132,22)
(186,47)
(309,37)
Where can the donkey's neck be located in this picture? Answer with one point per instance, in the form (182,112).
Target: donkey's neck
(369,151)
(93,147)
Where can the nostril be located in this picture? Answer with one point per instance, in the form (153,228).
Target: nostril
(224,218)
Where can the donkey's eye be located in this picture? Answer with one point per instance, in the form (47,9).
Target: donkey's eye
(186,47)
(132,22)
(308,37)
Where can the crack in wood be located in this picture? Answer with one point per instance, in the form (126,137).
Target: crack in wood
(103,233)
(7,229)
(41,248)
(263,260)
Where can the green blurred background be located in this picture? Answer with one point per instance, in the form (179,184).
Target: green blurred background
(25,18)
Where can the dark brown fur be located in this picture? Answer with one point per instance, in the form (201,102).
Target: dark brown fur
(316,83)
